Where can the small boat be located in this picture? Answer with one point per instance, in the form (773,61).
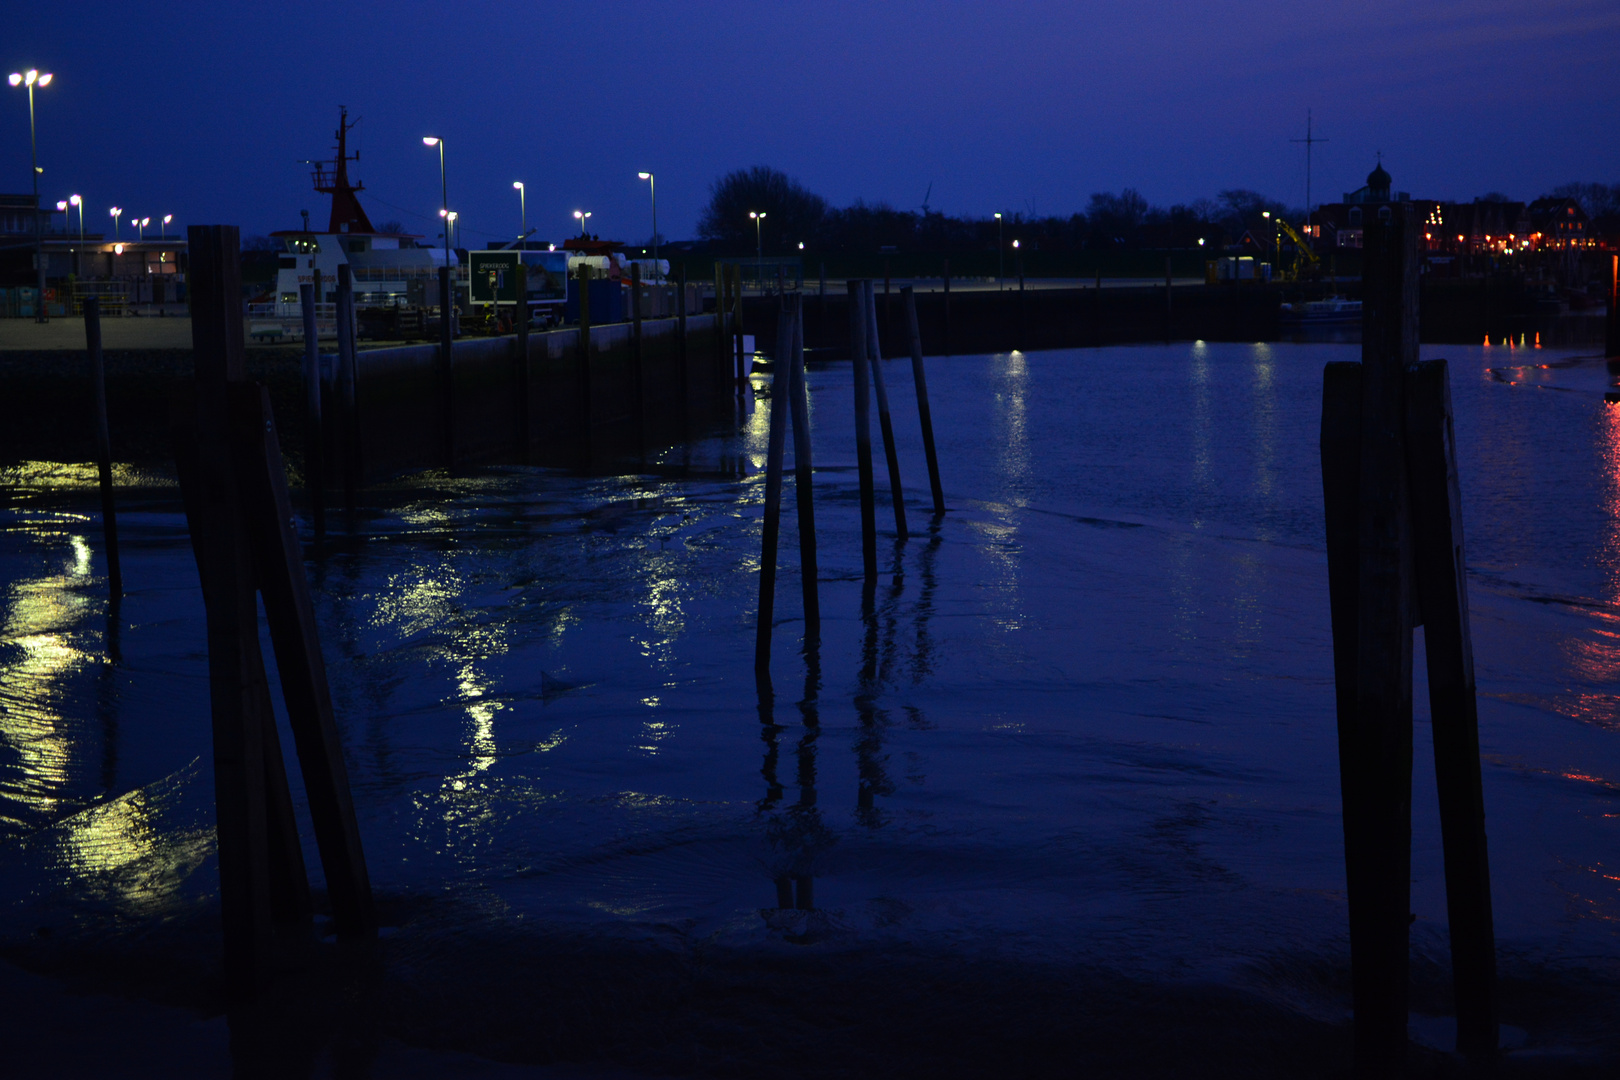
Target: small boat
(1335,309)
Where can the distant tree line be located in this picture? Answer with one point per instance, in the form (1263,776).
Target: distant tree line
(1126,220)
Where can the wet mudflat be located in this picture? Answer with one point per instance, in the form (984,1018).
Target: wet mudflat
(1060,792)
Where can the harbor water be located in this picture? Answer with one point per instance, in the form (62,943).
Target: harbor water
(1069,772)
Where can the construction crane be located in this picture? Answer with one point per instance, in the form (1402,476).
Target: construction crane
(1305,260)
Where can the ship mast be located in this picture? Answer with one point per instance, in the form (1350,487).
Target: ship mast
(332,178)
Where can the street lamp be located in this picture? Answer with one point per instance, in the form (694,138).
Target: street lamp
(523,211)
(34,78)
(444,193)
(116,213)
(166,219)
(140,227)
(1001,255)
(759,248)
(452,217)
(75,200)
(580,216)
(652,186)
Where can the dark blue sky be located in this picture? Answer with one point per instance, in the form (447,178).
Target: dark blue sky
(204,110)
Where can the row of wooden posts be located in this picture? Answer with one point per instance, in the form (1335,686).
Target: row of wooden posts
(790,399)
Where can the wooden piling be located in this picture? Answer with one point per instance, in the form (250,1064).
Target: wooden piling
(263,890)
(776,439)
(525,369)
(344,413)
(638,373)
(802,473)
(885,422)
(863,427)
(447,373)
(583,361)
(945,328)
(1020,339)
(1612,335)
(1380,901)
(1449,655)
(314,441)
(1167,310)
(737,330)
(98,399)
(721,338)
(683,355)
(920,379)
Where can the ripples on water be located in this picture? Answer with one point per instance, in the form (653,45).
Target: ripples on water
(1088,717)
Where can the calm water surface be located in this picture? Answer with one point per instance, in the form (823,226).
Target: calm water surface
(1086,716)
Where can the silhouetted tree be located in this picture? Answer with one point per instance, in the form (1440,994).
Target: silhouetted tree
(1113,220)
(792,212)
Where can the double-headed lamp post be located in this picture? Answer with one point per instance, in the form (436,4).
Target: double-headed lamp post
(759,248)
(580,216)
(33,78)
(523,211)
(116,212)
(652,186)
(444,193)
(140,228)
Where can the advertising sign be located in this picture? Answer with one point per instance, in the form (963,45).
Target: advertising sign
(492,276)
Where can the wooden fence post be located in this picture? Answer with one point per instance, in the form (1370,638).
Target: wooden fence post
(885,421)
(314,442)
(98,391)
(863,427)
(919,379)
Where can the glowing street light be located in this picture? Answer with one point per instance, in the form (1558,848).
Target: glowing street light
(116,212)
(34,78)
(580,216)
(444,191)
(652,186)
(140,227)
(523,210)
(451,217)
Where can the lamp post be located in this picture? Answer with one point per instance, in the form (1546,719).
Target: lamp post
(759,248)
(452,217)
(1001,255)
(116,213)
(34,78)
(523,212)
(166,219)
(580,216)
(444,193)
(75,200)
(140,228)
(652,186)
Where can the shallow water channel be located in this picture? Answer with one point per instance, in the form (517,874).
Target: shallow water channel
(1084,724)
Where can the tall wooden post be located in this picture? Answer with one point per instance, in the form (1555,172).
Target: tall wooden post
(447,373)
(919,378)
(945,328)
(525,372)
(638,361)
(863,427)
(737,330)
(263,888)
(682,353)
(721,337)
(776,440)
(314,441)
(885,421)
(587,401)
(802,473)
(1020,342)
(98,391)
(1612,337)
(344,414)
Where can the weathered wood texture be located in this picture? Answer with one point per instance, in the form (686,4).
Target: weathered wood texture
(925,416)
(98,405)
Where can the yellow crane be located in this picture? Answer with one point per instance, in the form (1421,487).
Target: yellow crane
(1304,258)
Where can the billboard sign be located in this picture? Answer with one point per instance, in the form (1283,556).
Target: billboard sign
(492,276)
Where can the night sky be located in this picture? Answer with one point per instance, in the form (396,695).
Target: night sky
(205,110)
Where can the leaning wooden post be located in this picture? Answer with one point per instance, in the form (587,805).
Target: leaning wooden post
(98,389)
(345,383)
(885,422)
(781,391)
(920,379)
(1453,708)
(447,371)
(863,426)
(1380,901)
(314,443)
(802,474)
(681,351)
(525,373)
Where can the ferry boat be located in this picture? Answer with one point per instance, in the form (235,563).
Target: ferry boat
(385,267)
(1333,310)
